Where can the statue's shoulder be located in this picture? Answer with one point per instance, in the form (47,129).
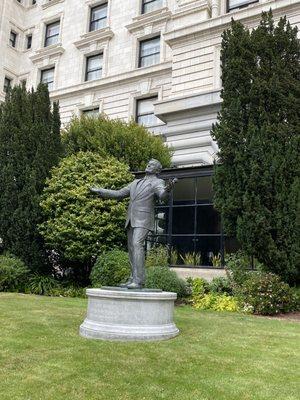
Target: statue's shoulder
(159,181)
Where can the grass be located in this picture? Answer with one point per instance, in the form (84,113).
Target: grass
(217,356)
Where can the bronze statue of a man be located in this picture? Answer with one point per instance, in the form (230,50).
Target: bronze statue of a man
(140,216)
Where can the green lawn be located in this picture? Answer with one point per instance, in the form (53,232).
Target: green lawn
(217,356)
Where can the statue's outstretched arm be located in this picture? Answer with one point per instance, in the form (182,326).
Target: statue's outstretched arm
(162,191)
(112,194)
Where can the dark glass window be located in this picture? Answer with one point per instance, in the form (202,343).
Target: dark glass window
(190,225)
(151,5)
(94,67)
(13,38)
(52,33)
(232,4)
(33,2)
(7,84)
(47,77)
(149,52)
(91,112)
(145,112)
(98,18)
(28,41)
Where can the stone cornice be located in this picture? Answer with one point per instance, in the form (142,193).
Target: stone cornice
(215,26)
(136,74)
(161,15)
(48,3)
(101,35)
(191,8)
(46,52)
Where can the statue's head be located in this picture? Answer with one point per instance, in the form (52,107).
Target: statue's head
(153,167)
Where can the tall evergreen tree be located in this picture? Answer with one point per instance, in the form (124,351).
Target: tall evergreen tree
(257,180)
(29,146)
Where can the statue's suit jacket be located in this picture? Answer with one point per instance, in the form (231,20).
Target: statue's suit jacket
(142,193)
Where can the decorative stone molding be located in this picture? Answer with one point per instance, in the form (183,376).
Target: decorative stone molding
(43,55)
(49,3)
(94,39)
(156,17)
(191,7)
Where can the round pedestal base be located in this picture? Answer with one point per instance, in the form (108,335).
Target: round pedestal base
(125,315)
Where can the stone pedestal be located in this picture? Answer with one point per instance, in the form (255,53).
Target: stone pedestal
(116,314)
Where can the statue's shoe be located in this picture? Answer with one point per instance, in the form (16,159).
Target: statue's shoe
(134,285)
(124,285)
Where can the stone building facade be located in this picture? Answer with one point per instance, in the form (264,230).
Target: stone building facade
(58,40)
(157,61)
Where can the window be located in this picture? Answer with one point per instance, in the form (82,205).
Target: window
(189,224)
(7,84)
(47,77)
(94,67)
(232,4)
(145,112)
(92,112)
(149,52)
(151,5)
(98,17)
(13,39)
(52,33)
(33,2)
(28,41)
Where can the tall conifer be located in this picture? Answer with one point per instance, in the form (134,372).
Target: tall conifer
(257,180)
(29,146)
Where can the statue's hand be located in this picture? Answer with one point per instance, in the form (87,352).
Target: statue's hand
(171,184)
(97,191)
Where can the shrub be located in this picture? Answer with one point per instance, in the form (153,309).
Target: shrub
(13,273)
(42,284)
(68,291)
(220,285)
(110,269)
(128,142)
(216,302)
(167,280)
(157,256)
(78,225)
(266,294)
(237,267)
(199,287)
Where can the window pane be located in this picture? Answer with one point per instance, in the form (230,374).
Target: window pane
(47,77)
(91,113)
(148,120)
(94,62)
(98,17)
(183,220)
(183,251)
(204,189)
(184,191)
(53,29)
(94,75)
(208,247)
(239,3)
(152,5)
(208,220)
(150,47)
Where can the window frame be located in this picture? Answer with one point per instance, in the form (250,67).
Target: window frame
(87,71)
(240,6)
(7,87)
(51,82)
(91,22)
(140,58)
(137,115)
(13,43)
(57,35)
(145,2)
(28,42)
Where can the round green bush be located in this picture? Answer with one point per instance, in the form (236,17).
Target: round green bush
(165,279)
(220,285)
(129,142)
(79,225)
(266,294)
(111,268)
(13,273)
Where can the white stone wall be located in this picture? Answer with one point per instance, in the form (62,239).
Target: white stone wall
(186,80)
